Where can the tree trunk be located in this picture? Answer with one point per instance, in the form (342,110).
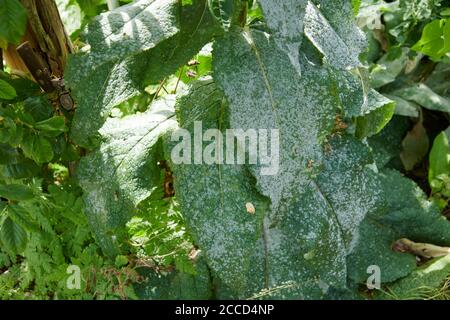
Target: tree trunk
(44,50)
(48,39)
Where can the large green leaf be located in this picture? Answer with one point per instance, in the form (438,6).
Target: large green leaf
(124,170)
(408,214)
(316,194)
(274,248)
(13,21)
(132,47)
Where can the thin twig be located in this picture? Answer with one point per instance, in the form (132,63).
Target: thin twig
(158,90)
(178,81)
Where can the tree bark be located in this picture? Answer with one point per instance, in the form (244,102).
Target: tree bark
(47,37)
(43,52)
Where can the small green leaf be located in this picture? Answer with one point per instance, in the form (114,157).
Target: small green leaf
(8,154)
(121,261)
(42,150)
(7,92)
(16,192)
(37,148)
(13,20)
(20,216)
(435,41)
(54,124)
(16,136)
(20,168)
(439,157)
(13,236)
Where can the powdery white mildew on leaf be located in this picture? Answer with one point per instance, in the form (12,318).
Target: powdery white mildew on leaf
(285,19)
(330,27)
(131,29)
(132,47)
(124,170)
(224,191)
(97,93)
(371,109)
(340,17)
(304,241)
(266,92)
(339,52)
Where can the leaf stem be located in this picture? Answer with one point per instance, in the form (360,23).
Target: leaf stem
(112,4)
